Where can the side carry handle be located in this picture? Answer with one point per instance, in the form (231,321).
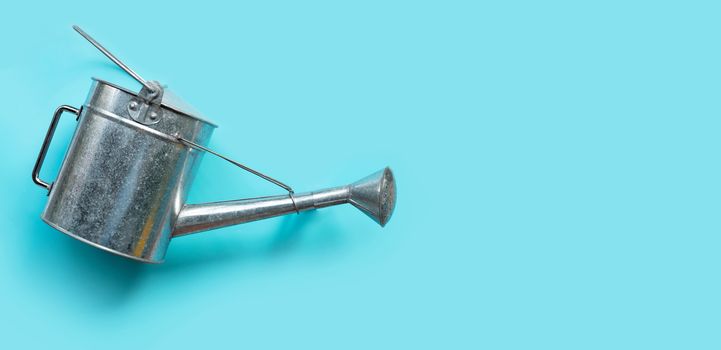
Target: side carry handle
(46,144)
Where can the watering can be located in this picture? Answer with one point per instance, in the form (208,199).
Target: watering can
(123,183)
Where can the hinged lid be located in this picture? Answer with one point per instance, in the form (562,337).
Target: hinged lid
(146,108)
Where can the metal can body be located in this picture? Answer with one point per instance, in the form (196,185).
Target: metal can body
(122,183)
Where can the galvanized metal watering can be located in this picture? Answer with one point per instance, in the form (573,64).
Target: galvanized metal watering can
(123,183)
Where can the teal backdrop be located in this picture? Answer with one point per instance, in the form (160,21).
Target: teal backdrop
(557,167)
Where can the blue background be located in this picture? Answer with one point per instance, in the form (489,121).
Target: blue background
(557,166)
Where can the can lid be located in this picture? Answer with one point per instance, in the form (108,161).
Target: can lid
(169,100)
(174,102)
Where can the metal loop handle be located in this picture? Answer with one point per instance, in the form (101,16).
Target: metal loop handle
(46,144)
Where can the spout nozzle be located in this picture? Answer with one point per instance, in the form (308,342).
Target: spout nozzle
(375,195)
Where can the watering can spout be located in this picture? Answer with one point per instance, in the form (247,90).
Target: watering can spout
(374,195)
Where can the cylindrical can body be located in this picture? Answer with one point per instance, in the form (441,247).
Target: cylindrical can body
(123,183)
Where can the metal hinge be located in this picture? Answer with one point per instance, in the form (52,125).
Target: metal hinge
(146,109)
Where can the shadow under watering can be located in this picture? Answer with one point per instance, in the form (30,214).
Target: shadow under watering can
(124,181)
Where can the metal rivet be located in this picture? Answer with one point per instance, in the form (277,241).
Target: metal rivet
(133,105)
